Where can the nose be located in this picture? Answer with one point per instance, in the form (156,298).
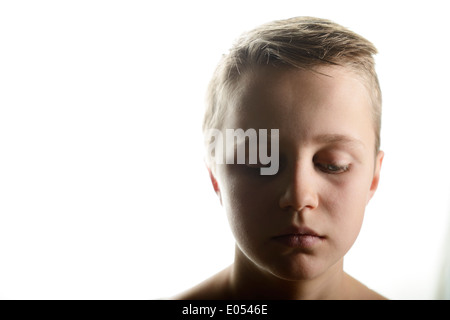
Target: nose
(300,191)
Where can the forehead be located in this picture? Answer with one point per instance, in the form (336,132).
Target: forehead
(303,104)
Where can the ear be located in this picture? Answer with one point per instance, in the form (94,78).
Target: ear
(214,183)
(376,175)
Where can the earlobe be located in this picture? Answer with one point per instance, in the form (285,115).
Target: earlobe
(214,183)
(376,175)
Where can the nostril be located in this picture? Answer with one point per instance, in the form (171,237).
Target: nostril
(298,198)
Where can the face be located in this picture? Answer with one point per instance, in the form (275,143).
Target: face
(301,221)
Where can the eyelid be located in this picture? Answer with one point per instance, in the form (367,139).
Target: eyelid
(338,155)
(257,165)
(325,167)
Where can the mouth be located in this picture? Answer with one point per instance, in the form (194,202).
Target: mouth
(299,238)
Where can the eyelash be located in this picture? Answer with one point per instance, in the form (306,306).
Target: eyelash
(326,168)
(333,168)
(257,165)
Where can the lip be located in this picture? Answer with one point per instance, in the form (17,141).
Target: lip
(299,237)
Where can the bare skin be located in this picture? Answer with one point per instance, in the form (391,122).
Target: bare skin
(328,173)
(229,284)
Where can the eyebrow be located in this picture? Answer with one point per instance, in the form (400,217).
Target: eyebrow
(338,139)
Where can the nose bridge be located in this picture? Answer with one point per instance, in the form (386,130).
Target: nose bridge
(300,191)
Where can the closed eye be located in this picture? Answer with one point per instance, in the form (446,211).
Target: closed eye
(257,165)
(332,168)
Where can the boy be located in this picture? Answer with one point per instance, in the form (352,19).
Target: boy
(315,82)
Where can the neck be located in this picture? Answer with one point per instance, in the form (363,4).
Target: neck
(249,281)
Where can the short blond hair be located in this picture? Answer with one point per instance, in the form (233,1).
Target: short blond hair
(300,42)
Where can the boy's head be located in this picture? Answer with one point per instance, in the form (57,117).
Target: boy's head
(304,43)
(315,82)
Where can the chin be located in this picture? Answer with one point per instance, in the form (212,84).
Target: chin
(299,269)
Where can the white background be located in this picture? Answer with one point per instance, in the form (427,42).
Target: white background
(103,190)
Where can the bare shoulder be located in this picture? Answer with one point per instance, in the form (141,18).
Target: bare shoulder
(358,291)
(213,288)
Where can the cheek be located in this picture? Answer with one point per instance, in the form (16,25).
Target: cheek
(347,198)
(345,205)
(248,205)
